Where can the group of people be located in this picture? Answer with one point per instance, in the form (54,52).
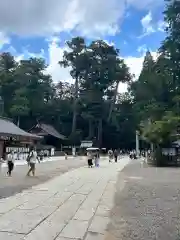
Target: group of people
(113,155)
(32,158)
(133,154)
(93,158)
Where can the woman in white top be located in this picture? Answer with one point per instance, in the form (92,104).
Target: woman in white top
(10,163)
(1,162)
(32,162)
(110,155)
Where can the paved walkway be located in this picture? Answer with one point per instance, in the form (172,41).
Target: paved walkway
(147,204)
(44,172)
(75,205)
(46,159)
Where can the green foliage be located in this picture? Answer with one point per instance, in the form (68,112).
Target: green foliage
(161,132)
(156,92)
(97,71)
(20,105)
(89,109)
(92,108)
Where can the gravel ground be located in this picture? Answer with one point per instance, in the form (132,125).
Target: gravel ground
(147,204)
(45,171)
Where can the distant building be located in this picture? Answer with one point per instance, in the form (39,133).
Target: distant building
(51,137)
(14,138)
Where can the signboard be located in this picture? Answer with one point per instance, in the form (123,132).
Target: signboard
(169,151)
(86,144)
(17,149)
(8,138)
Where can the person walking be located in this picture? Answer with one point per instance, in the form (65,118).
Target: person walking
(32,162)
(1,162)
(110,155)
(65,156)
(97,157)
(10,163)
(90,159)
(115,155)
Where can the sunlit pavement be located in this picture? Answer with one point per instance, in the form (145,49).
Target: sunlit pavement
(47,159)
(75,205)
(45,171)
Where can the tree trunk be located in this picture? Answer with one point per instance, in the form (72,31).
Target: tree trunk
(91,130)
(99,133)
(113,102)
(18,121)
(75,107)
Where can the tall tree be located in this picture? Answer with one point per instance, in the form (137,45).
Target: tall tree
(73,59)
(171,45)
(7,79)
(30,95)
(20,105)
(30,75)
(122,75)
(100,73)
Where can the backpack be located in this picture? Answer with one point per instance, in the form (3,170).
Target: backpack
(30,155)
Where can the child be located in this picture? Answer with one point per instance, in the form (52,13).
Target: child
(97,159)
(66,156)
(89,160)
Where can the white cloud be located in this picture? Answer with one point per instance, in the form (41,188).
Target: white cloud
(135,66)
(142,49)
(161,25)
(146,4)
(135,63)
(110,43)
(55,54)
(147,25)
(122,88)
(3,40)
(88,17)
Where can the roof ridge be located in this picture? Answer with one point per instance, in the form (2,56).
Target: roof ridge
(5,118)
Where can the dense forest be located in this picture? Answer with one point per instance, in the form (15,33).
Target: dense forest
(92,108)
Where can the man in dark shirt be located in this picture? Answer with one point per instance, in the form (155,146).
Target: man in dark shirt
(115,155)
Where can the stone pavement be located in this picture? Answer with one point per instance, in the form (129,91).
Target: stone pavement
(75,205)
(47,159)
(147,207)
(44,172)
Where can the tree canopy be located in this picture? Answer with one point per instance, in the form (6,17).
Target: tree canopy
(91,108)
(156,92)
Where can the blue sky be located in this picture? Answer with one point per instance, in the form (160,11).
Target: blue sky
(41,27)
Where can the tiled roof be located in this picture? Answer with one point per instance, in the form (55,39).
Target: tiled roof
(51,130)
(8,128)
